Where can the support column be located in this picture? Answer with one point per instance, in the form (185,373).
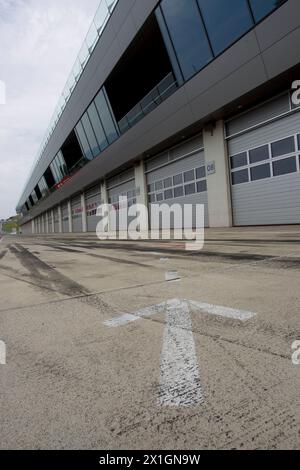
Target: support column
(218,182)
(60,226)
(70,216)
(52,220)
(142,196)
(84,217)
(32,227)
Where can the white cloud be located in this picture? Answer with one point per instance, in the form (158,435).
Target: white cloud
(39,44)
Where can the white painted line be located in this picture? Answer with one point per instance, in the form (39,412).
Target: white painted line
(179,372)
(221,311)
(172,276)
(131,317)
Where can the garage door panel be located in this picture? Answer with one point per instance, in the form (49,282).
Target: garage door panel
(65,218)
(76,214)
(92,201)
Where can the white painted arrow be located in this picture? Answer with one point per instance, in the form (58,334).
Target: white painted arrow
(179,372)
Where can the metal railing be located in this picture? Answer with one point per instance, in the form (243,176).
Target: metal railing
(104,12)
(154,98)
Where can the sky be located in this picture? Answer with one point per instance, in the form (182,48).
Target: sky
(40,40)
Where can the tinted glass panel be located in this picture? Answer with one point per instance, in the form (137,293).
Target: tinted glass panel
(106,118)
(178,179)
(238,160)
(283,167)
(97,126)
(169,194)
(201,186)
(298,137)
(90,135)
(282,147)
(188,35)
(83,141)
(259,154)
(189,176)
(152,198)
(261,8)
(159,197)
(240,177)
(225,21)
(200,172)
(260,172)
(190,189)
(178,192)
(151,188)
(168,182)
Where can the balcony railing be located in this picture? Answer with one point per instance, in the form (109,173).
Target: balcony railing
(100,20)
(154,98)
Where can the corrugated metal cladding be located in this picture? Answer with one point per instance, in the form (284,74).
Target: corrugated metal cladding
(92,201)
(178,176)
(65,217)
(56,220)
(76,214)
(265,171)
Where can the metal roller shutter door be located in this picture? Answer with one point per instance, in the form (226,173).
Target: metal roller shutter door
(122,185)
(65,218)
(179,177)
(92,201)
(50,222)
(56,220)
(76,214)
(265,173)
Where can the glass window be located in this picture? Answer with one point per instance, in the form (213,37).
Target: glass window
(298,138)
(83,141)
(158,185)
(200,172)
(151,188)
(285,166)
(55,172)
(152,198)
(178,192)
(188,35)
(283,147)
(90,135)
(189,176)
(168,182)
(201,186)
(106,118)
(178,179)
(262,8)
(239,177)
(159,197)
(239,160)
(190,189)
(97,126)
(259,154)
(169,194)
(225,21)
(260,172)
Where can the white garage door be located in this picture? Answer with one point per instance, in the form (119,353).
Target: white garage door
(264,166)
(178,176)
(76,214)
(65,217)
(120,186)
(92,201)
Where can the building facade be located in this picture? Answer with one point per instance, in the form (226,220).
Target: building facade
(184,101)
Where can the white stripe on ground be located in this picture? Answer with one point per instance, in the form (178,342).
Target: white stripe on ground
(221,311)
(179,373)
(131,317)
